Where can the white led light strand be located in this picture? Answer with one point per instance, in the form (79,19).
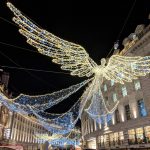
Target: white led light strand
(74,58)
(98,106)
(43,102)
(62,124)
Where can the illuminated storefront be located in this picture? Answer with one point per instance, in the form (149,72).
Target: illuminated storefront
(139,135)
(91,143)
(112,139)
(131,134)
(147,133)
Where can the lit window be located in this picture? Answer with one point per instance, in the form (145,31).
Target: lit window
(139,135)
(147,133)
(131,134)
(111,137)
(137,85)
(116,137)
(124,91)
(112,82)
(6,133)
(141,108)
(114,97)
(102,141)
(105,87)
(105,140)
(121,136)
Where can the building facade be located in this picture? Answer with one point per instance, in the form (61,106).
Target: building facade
(129,127)
(5,115)
(16,129)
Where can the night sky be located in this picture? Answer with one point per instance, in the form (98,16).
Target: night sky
(95,25)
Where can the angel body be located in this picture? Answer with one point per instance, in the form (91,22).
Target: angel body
(74,58)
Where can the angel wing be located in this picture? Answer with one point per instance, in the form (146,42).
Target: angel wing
(70,56)
(124,69)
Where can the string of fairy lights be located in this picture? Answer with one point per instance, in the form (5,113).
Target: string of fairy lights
(72,138)
(43,102)
(49,120)
(74,58)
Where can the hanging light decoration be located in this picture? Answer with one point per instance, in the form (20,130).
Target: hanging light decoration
(98,108)
(61,124)
(46,137)
(11,106)
(43,102)
(63,142)
(74,58)
(59,140)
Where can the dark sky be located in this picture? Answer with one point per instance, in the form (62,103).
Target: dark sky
(95,25)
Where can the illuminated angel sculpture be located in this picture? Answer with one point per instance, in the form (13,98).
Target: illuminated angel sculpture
(74,58)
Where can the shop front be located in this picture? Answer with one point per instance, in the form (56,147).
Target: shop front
(91,143)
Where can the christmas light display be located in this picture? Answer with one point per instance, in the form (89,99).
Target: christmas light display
(43,102)
(98,107)
(59,140)
(62,124)
(40,102)
(71,56)
(12,106)
(63,142)
(46,137)
(74,58)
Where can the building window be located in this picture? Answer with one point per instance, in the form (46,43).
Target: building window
(105,87)
(147,133)
(112,82)
(137,85)
(127,112)
(141,108)
(114,97)
(116,138)
(117,117)
(111,137)
(121,137)
(109,119)
(139,135)
(102,141)
(106,143)
(124,91)
(131,134)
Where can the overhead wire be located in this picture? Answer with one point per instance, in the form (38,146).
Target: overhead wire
(34,76)
(26,49)
(32,69)
(18,47)
(124,24)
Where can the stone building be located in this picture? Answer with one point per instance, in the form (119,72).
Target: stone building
(5,115)
(15,129)
(130,124)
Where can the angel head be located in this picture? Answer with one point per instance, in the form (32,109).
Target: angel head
(103,62)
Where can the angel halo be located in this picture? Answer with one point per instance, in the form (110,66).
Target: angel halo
(74,58)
